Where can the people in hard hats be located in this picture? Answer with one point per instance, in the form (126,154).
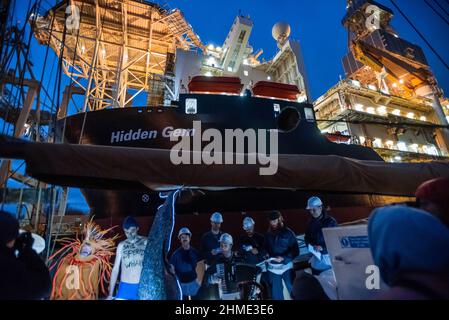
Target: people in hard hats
(185,260)
(282,247)
(209,241)
(432,196)
(251,245)
(314,237)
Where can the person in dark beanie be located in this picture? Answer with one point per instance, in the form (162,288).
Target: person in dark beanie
(410,247)
(306,287)
(24,275)
(433,196)
(282,248)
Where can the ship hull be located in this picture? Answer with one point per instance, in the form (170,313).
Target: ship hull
(152,127)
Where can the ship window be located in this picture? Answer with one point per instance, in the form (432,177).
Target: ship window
(310,116)
(191,106)
(288,119)
(242,35)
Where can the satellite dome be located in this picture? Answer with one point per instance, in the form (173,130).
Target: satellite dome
(281,32)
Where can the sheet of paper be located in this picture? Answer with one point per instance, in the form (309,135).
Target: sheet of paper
(314,252)
(351,259)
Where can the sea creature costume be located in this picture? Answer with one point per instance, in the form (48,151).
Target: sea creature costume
(82,266)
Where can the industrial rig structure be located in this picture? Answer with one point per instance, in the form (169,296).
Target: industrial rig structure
(110,54)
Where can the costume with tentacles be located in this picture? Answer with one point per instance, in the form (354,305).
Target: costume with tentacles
(82,266)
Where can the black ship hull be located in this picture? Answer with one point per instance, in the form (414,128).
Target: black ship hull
(151,127)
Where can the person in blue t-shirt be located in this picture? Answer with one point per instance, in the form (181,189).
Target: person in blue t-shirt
(184,260)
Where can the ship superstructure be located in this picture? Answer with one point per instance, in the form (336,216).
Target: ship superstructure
(390,99)
(237,58)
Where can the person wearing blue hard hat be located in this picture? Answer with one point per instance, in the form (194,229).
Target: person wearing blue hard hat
(314,237)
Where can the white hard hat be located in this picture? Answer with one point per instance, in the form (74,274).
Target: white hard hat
(184,231)
(314,202)
(216,217)
(248,223)
(226,238)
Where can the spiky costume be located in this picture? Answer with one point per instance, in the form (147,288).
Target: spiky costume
(79,277)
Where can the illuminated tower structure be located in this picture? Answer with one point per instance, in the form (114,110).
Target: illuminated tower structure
(390,99)
(114,51)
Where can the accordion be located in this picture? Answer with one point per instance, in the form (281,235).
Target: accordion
(231,276)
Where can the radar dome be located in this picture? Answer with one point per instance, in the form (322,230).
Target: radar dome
(281,31)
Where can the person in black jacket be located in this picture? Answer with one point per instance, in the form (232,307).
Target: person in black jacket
(251,245)
(210,246)
(282,247)
(23,276)
(314,234)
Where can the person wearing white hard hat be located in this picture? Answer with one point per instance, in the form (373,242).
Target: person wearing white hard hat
(209,241)
(225,261)
(251,245)
(314,237)
(184,260)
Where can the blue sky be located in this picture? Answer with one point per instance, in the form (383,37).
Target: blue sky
(316,23)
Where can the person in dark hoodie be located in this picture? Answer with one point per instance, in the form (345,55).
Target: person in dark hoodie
(314,234)
(411,249)
(24,275)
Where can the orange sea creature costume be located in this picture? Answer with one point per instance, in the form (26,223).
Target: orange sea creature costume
(82,266)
